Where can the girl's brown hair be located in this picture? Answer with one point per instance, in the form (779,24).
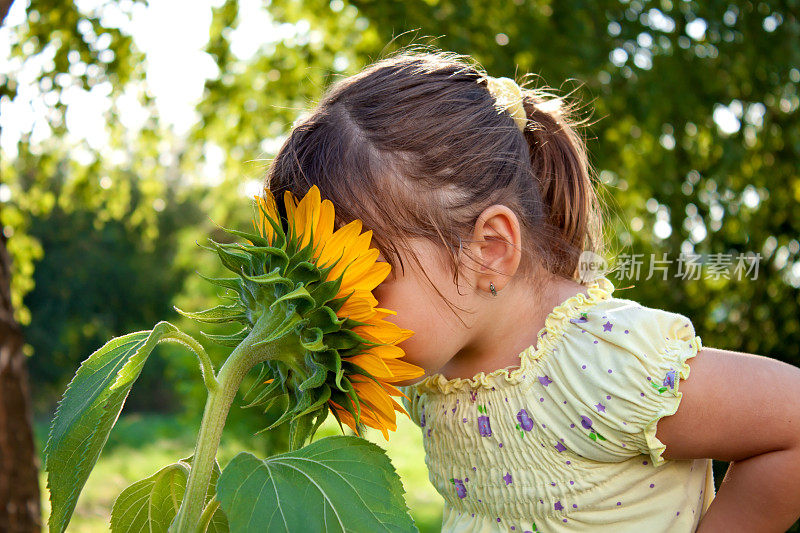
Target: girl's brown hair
(414,147)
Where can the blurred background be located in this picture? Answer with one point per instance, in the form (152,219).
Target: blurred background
(129,129)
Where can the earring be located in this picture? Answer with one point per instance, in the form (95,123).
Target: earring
(491,288)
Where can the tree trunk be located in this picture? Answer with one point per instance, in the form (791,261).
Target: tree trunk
(19,468)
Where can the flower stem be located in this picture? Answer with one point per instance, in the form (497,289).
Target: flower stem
(205,362)
(208,514)
(218,403)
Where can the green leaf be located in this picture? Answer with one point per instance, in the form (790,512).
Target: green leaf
(335,484)
(87,412)
(151,504)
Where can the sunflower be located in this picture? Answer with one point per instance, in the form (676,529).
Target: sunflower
(305,298)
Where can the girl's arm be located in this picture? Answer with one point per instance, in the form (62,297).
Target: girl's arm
(745,409)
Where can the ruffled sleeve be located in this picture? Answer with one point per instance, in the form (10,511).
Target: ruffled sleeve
(624,363)
(412,404)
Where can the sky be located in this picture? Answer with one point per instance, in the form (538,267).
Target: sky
(172,34)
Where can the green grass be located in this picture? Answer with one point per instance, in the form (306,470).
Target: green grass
(140,444)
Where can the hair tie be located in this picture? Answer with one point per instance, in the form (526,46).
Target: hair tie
(508,97)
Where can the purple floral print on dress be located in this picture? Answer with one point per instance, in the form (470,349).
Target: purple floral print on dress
(560,447)
(663,388)
(586,422)
(525,422)
(484,428)
(581,320)
(461,490)
(422,418)
(669,379)
(473,396)
(545,380)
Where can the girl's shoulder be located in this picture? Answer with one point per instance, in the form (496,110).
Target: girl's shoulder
(613,371)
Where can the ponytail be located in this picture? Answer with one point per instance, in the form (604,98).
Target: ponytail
(560,168)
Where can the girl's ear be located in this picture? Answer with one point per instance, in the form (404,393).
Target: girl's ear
(497,246)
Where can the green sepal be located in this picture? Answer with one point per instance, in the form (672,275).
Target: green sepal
(281,399)
(353,395)
(325,319)
(316,379)
(301,429)
(270,279)
(325,291)
(277,226)
(300,297)
(337,303)
(330,359)
(289,323)
(312,339)
(233,261)
(322,414)
(278,254)
(218,315)
(305,400)
(263,372)
(269,393)
(232,340)
(257,240)
(305,273)
(338,420)
(324,396)
(228,283)
(339,378)
(287,414)
(343,340)
(300,256)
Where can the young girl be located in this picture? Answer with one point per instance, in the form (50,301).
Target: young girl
(549,403)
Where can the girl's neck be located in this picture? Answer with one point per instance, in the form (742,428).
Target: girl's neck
(510,325)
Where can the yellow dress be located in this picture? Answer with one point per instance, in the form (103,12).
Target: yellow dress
(567,441)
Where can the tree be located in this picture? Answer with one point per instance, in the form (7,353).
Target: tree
(19,471)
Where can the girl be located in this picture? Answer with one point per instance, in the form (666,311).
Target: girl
(549,402)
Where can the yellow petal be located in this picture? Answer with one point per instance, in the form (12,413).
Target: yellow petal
(357,309)
(305,216)
(290,203)
(324,229)
(388,351)
(365,275)
(359,273)
(373,393)
(337,248)
(373,364)
(402,370)
(383,331)
(266,208)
